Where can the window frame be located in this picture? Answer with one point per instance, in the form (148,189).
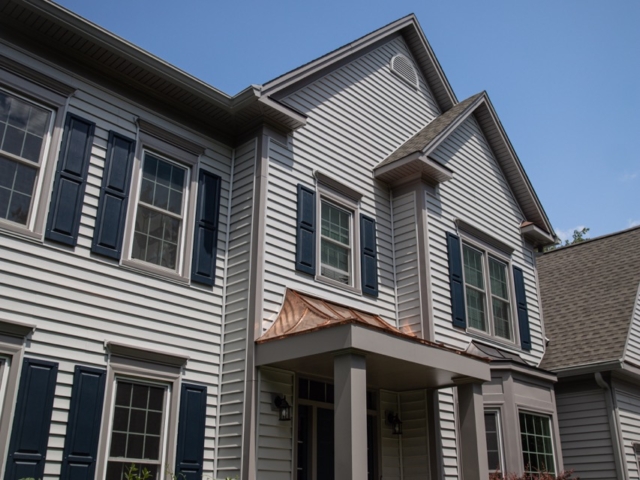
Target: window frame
(22,87)
(548,416)
(148,143)
(333,197)
(496,411)
(143,366)
(487,251)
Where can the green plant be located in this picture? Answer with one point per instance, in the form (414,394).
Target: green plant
(132,473)
(533,476)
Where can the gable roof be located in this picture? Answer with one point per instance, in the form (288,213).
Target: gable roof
(408,27)
(406,159)
(588,294)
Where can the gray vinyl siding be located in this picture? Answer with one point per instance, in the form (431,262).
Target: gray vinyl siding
(405,236)
(79,301)
(632,350)
(357,115)
(274,437)
(479,194)
(415,445)
(447,413)
(236,305)
(628,406)
(586,435)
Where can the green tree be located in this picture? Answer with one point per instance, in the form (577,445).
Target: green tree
(578,236)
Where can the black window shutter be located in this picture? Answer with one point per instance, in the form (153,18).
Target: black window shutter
(368,255)
(70,181)
(306,231)
(205,237)
(523,312)
(32,420)
(190,447)
(114,197)
(456,281)
(83,427)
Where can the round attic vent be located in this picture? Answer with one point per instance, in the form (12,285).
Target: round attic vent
(403,67)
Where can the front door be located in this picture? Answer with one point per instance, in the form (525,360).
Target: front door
(315,451)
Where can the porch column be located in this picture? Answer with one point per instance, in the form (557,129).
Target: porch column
(473,439)
(350,407)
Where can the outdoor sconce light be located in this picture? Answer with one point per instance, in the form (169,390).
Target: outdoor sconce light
(395,422)
(284,409)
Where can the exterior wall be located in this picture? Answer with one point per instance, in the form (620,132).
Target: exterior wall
(585,430)
(236,303)
(357,116)
(479,194)
(632,349)
(627,399)
(448,418)
(79,301)
(415,443)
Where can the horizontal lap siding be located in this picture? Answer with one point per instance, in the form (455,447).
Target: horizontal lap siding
(632,351)
(78,301)
(275,437)
(628,403)
(478,193)
(447,412)
(585,435)
(357,116)
(233,367)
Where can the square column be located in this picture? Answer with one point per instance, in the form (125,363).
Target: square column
(473,438)
(350,407)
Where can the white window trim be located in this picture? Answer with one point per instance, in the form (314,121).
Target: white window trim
(56,103)
(490,251)
(498,413)
(353,207)
(183,158)
(549,415)
(139,365)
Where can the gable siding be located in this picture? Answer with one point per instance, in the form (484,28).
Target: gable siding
(479,194)
(236,304)
(632,350)
(274,437)
(628,404)
(405,237)
(586,435)
(357,115)
(79,301)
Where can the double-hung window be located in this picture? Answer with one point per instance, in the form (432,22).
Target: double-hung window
(336,237)
(494,440)
(25,132)
(487,292)
(537,444)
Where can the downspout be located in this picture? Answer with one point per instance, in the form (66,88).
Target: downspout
(616,435)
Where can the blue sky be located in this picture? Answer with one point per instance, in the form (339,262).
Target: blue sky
(563,75)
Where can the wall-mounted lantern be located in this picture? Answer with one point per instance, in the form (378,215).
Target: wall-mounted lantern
(284,409)
(395,422)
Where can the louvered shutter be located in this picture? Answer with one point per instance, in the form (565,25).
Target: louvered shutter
(190,446)
(83,427)
(205,237)
(368,255)
(456,281)
(32,420)
(63,223)
(114,197)
(306,231)
(523,312)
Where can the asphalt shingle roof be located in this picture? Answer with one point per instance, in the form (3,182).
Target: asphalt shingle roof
(588,294)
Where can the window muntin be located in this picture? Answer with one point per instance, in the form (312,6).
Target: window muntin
(160,212)
(537,445)
(494,442)
(24,134)
(137,428)
(335,243)
(486,277)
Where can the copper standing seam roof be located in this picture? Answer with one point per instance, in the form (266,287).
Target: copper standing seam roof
(301,313)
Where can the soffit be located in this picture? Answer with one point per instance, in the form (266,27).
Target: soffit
(588,293)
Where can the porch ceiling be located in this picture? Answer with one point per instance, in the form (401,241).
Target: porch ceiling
(393,362)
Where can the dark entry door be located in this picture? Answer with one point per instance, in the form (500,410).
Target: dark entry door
(324,442)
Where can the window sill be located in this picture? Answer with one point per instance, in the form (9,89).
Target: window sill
(333,283)
(17,230)
(154,271)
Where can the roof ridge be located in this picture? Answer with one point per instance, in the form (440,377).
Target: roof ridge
(594,239)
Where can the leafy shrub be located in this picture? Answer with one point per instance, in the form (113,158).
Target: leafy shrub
(535,476)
